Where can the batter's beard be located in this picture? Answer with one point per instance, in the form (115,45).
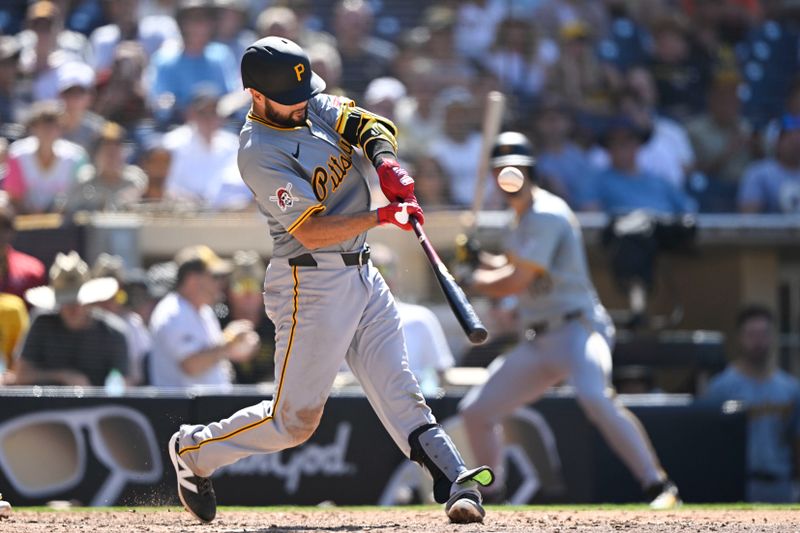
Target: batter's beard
(286,121)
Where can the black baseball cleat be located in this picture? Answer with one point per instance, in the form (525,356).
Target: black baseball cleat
(465,508)
(663,495)
(196,493)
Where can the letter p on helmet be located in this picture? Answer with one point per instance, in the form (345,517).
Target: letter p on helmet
(298,70)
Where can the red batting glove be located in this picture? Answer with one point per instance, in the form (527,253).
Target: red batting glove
(396,183)
(399,213)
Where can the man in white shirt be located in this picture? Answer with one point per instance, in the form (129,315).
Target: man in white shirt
(458,148)
(429,355)
(203,167)
(189,348)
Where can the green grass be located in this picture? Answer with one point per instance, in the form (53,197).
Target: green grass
(494,508)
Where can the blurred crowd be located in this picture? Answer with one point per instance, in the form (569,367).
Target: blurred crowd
(672,106)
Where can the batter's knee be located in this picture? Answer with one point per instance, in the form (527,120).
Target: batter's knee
(300,424)
(476,414)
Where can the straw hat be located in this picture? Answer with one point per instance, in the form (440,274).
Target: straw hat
(71,282)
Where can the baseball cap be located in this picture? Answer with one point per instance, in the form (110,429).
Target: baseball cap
(201,258)
(248,272)
(42,10)
(385,88)
(74,74)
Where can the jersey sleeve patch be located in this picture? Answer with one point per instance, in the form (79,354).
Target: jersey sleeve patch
(283,197)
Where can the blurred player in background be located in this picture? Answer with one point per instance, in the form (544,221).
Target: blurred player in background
(566,334)
(771,398)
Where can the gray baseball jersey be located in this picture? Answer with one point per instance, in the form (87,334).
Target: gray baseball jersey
(324,314)
(549,236)
(295,173)
(573,347)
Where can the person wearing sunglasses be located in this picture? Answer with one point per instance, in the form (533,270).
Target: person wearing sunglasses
(566,333)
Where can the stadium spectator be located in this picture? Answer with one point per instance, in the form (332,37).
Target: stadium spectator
(43,167)
(155,160)
(680,68)
(121,96)
(232,30)
(364,56)
(772,185)
(626,43)
(327,63)
(458,148)
(14,322)
(46,45)
(189,348)
(71,342)
(203,167)
(245,301)
(136,333)
(10,104)
(150,32)
(521,59)
(579,75)
(76,91)
(667,151)
(18,271)
(552,16)
(625,186)
(772,130)
(437,44)
(418,113)
(177,73)
(771,398)
(722,140)
(769,59)
(561,164)
(432,186)
(111,184)
(476,26)
(279,21)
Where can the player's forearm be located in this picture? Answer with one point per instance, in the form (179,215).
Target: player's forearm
(496,283)
(204,360)
(321,231)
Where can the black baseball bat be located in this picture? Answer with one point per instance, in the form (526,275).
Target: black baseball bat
(461,307)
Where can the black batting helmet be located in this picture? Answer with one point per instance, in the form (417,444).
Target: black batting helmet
(512,149)
(280,70)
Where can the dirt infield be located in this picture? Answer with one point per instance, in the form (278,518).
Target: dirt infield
(398,519)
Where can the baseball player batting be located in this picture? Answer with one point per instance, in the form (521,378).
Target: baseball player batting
(566,332)
(328,302)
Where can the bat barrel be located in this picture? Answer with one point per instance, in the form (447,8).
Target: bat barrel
(462,309)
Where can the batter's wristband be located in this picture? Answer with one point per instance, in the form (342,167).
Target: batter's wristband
(378,150)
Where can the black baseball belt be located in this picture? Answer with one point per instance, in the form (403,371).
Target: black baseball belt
(541,327)
(359,258)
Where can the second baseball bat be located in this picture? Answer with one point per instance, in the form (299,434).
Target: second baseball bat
(465,313)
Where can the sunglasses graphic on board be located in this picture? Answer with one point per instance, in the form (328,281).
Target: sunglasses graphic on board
(45,453)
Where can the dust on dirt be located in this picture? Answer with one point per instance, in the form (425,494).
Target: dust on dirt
(396,519)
